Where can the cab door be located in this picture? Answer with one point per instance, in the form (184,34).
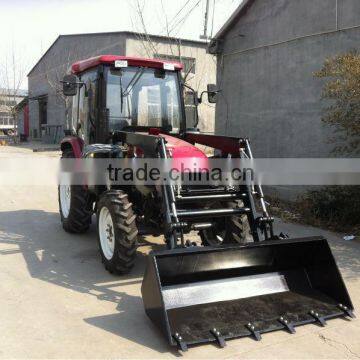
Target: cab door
(85,108)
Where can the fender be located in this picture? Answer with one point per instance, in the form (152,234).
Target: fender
(75,143)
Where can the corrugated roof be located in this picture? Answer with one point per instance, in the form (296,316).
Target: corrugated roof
(129,33)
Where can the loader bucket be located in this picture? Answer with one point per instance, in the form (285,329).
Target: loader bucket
(204,294)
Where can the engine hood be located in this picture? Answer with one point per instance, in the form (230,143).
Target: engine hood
(178,148)
(184,153)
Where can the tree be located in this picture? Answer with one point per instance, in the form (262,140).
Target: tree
(54,75)
(12,75)
(170,28)
(339,206)
(343,91)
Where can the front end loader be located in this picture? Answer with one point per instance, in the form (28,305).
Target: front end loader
(240,278)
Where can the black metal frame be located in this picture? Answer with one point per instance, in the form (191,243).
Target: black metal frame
(176,221)
(265,222)
(179,221)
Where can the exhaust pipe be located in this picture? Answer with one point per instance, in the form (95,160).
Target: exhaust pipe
(204,294)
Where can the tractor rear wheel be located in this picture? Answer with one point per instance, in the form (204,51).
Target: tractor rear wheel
(117,232)
(230,230)
(74,205)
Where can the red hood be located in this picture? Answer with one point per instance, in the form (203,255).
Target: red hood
(181,149)
(184,153)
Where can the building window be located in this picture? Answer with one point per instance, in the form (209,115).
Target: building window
(6,119)
(188,62)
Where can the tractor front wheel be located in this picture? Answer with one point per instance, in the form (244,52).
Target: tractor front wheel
(74,205)
(117,232)
(231,230)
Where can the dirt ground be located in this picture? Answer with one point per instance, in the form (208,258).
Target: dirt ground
(57,301)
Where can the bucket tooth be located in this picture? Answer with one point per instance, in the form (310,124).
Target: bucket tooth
(256,333)
(320,319)
(218,336)
(180,342)
(288,325)
(347,312)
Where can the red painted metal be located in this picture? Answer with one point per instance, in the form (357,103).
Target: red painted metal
(182,149)
(76,144)
(26,121)
(228,145)
(83,65)
(154,131)
(184,154)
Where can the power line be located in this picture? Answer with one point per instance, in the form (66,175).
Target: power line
(181,21)
(177,14)
(182,8)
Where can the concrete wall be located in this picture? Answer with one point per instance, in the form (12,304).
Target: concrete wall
(271,21)
(266,70)
(269,92)
(19,120)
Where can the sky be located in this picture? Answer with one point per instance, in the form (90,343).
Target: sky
(29,27)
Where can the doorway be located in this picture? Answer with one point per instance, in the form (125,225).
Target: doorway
(43,102)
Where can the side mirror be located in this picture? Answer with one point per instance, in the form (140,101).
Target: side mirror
(70,85)
(212,92)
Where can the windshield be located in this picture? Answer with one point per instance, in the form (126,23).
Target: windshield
(143,97)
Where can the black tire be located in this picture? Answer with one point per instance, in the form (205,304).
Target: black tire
(230,230)
(124,232)
(78,218)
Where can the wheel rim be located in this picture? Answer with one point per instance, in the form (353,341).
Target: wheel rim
(106,233)
(65,199)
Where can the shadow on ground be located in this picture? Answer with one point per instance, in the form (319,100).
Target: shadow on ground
(73,261)
(347,253)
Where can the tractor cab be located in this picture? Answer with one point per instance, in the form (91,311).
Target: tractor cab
(117,93)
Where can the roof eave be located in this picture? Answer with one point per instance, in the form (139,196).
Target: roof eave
(132,33)
(236,14)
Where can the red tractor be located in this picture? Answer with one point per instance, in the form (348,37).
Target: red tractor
(244,280)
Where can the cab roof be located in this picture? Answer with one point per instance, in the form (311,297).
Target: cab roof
(83,65)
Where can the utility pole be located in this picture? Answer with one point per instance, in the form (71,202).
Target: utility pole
(205,35)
